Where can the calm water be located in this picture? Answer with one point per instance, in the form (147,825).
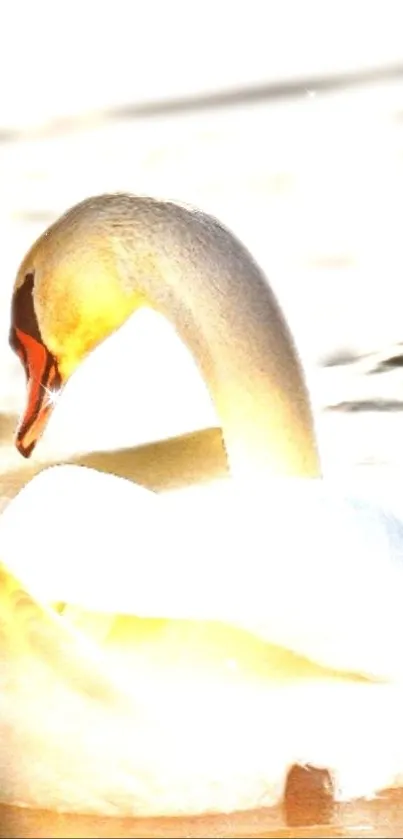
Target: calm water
(382,818)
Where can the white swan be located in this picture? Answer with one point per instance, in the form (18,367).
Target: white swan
(290,560)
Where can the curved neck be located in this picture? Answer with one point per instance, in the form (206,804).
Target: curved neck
(205,282)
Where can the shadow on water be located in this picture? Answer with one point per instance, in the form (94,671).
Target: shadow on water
(381,817)
(248,94)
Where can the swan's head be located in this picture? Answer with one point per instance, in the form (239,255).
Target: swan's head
(69,295)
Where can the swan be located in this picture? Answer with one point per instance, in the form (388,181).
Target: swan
(113,254)
(277,555)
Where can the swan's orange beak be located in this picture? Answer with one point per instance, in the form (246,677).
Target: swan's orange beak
(43,384)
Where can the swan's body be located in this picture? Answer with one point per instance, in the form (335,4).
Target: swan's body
(295,564)
(199,717)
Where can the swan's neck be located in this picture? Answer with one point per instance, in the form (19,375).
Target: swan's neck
(205,282)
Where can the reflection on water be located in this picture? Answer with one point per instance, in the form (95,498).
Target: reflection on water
(349,821)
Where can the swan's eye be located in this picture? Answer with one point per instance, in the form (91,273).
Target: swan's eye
(23,315)
(23,318)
